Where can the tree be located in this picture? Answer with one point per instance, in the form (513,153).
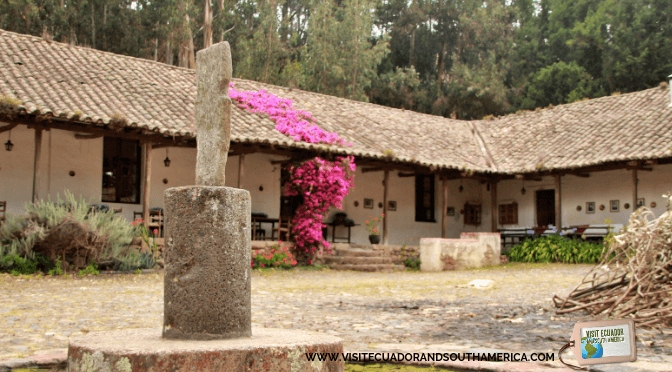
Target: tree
(557,84)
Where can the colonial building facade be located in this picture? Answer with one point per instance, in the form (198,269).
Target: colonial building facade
(120,131)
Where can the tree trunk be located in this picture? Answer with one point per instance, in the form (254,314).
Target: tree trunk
(207,25)
(221,14)
(169,51)
(441,63)
(412,46)
(104,26)
(270,42)
(93,26)
(356,50)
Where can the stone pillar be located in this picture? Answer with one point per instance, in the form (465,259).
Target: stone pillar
(208,254)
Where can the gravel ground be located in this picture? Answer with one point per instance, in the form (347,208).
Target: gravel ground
(370,311)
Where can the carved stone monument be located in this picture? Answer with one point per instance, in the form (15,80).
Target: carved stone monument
(208,248)
(207,304)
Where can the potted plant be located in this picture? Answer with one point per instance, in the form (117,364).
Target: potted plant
(372,226)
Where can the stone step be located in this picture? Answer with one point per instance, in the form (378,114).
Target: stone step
(356,260)
(353,252)
(369,268)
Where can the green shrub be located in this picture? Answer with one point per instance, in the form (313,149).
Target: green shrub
(57,267)
(111,233)
(90,270)
(17,265)
(412,263)
(556,249)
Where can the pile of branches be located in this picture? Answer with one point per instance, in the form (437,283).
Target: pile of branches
(634,276)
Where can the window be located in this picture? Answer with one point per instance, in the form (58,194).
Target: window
(472,214)
(424,198)
(508,214)
(121,171)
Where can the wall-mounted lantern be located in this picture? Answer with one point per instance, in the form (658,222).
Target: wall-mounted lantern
(166,161)
(9,145)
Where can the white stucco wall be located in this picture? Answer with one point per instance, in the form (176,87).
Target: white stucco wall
(61,153)
(600,187)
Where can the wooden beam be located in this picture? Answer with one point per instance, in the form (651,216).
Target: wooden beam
(87,136)
(386,182)
(36,164)
(8,127)
(582,175)
(634,189)
(154,138)
(444,209)
(148,174)
(411,174)
(558,202)
(642,168)
(241,161)
(494,210)
(369,170)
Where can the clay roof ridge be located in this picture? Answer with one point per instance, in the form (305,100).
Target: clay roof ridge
(92,50)
(483,146)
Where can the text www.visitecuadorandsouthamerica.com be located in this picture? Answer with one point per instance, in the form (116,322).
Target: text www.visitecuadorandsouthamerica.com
(431,357)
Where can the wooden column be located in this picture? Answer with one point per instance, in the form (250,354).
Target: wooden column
(148,174)
(634,189)
(493,207)
(444,210)
(241,161)
(36,164)
(385,184)
(558,202)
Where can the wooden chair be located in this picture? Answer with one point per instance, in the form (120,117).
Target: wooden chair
(3,210)
(156,222)
(284,226)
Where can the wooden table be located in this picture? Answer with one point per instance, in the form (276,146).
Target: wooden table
(340,223)
(258,221)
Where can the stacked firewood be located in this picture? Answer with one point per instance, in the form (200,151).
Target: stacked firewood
(634,276)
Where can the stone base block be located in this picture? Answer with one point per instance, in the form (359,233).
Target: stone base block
(472,250)
(207,283)
(140,350)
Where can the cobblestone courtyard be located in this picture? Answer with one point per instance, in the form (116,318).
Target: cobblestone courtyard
(407,311)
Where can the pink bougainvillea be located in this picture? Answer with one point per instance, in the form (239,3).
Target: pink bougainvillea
(323,184)
(294,123)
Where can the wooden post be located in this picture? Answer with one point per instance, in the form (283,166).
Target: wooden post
(558,203)
(385,184)
(36,164)
(148,174)
(634,189)
(444,210)
(493,206)
(241,161)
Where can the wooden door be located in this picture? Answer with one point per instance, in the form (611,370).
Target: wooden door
(545,207)
(288,204)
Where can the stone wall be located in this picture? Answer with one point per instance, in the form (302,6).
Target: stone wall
(472,250)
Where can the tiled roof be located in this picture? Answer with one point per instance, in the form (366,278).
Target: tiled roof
(90,86)
(60,80)
(632,126)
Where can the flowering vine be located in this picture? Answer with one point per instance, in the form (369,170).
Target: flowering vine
(323,184)
(294,123)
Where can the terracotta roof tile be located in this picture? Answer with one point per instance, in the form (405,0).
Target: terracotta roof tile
(65,81)
(633,126)
(62,80)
